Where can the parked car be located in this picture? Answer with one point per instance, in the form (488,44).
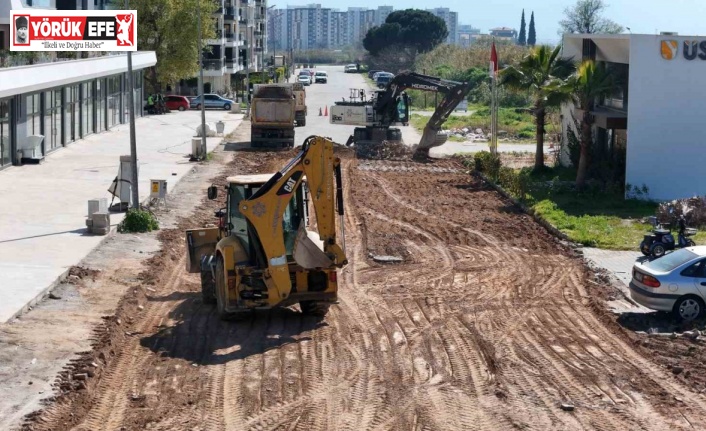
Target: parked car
(304,79)
(174,103)
(372,72)
(321,76)
(380,73)
(212,101)
(351,68)
(675,282)
(383,80)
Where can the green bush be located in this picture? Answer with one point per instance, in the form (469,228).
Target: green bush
(487,163)
(137,221)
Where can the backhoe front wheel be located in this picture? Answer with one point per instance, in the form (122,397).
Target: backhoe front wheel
(221,289)
(314,308)
(208,288)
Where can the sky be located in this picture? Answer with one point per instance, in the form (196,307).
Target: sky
(686,17)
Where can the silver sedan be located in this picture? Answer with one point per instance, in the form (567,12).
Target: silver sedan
(675,282)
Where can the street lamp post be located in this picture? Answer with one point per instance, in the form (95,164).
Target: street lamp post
(133,138)
(203,96)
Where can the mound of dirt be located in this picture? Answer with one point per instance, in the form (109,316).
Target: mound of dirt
(386,150)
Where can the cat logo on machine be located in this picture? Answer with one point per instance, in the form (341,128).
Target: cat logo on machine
(288,187)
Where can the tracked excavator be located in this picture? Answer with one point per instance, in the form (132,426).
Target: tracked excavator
(261,255)
(391,106)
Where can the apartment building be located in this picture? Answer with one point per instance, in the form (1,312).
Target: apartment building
(466,35)
(451,20)
(317,27)
(50,104)
(240,44)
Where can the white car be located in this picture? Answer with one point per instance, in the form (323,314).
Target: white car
(304,79)
(321,76)
(351,68)
(675,282)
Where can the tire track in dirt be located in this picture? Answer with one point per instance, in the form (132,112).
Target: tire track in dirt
(472,332)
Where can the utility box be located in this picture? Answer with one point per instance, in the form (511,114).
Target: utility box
(158,189)
(197,150)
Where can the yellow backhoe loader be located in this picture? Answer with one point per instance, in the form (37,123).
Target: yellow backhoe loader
(261,255)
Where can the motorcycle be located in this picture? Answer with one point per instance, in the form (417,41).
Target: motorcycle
(662,240)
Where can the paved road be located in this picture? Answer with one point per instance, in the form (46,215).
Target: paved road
(319,96)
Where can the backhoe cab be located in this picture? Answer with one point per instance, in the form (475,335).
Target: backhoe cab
(261,255)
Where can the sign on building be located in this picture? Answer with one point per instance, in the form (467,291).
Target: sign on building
(66,30)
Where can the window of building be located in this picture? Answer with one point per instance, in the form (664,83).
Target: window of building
(34,114)
(5,136)
(87,89)
(101,95)
(52,119)
(114,101)
(72,117)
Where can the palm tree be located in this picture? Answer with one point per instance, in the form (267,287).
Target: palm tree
(543,73)
(590,83)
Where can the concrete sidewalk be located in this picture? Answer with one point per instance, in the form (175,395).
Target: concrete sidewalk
(43,208)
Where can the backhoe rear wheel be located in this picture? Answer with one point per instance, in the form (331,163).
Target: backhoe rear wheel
(314,308)
(221,289)
(208,288)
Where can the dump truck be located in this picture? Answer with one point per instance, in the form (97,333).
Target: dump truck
(272,116)
(261,255)
(300,97)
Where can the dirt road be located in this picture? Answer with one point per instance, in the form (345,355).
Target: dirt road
(488,324)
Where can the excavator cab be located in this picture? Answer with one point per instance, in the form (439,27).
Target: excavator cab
(242,187)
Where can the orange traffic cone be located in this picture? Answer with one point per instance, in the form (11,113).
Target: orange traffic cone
(320,112)
(325,111)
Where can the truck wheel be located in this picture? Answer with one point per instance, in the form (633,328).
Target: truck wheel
(208,288)
(314,308)
(221,289)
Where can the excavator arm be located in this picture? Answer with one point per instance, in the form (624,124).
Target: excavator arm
(265,210)
(454,92)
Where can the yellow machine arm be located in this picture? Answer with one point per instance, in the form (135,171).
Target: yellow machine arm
(265,210)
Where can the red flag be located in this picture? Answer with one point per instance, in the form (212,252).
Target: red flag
(494,58)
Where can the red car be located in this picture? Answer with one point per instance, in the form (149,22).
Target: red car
(176,102)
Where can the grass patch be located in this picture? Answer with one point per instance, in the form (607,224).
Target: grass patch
(517,125)
(598,217)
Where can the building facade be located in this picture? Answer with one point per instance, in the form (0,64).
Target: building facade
(240,44)
(654,118)
(451,20)
(506,33)
(466,35)
(317,27)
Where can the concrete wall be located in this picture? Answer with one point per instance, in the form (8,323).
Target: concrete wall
(666,120)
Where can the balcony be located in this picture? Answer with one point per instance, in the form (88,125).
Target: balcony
(219,40)
(213,67)
(233,66)
(229,14)
(233,40)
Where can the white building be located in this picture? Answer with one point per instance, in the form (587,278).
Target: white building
(47,103)
(317,27)
(466,35)
(240,44)
(451,20)
(658,114)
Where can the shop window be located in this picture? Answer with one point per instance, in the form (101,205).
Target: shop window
(5,136)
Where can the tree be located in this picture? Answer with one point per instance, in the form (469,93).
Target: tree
(522,38)
(544,75)
(169,27)
(585,17)
(589,83)
(411,30)
(532,37)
